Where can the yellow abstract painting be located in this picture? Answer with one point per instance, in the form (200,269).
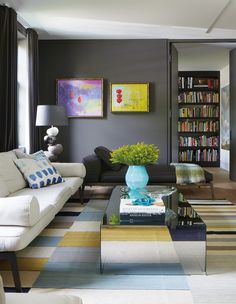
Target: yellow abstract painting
(129,97)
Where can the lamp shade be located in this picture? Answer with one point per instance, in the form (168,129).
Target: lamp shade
(48,115)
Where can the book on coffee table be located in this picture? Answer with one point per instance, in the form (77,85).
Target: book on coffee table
(142,211)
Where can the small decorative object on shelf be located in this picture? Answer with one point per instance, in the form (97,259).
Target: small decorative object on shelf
(199,117)
(136,157)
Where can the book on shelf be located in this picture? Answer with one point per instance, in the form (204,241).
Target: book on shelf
(198,82)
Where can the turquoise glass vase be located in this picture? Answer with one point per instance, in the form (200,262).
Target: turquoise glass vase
(136,177)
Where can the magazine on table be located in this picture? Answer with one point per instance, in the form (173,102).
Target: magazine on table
(142,206)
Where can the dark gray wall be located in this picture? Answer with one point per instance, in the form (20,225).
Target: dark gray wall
(115,61)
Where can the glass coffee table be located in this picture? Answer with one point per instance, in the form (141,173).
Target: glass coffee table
(177,246)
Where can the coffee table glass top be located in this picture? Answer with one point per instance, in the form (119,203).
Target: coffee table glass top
(178,213)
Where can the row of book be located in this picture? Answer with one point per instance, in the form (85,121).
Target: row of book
(198,126)
(198,97)
(199,141)
(198,155)
(196,82)
(203,111)
(142,212)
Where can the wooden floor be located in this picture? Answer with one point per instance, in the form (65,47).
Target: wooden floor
(224,187)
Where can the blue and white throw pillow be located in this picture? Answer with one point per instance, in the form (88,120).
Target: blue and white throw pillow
(38,173)
(39,155)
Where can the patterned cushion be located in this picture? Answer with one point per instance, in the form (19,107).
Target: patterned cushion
(39,155)
(38,173)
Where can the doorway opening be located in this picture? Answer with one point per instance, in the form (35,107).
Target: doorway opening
(200,122)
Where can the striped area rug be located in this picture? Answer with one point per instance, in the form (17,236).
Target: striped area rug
(220,218)
(75,263)
(66,253)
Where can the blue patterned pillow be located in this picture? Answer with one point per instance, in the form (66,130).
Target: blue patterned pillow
(39,155)
(38,173)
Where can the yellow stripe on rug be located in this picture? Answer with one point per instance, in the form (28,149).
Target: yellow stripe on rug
(26,264)
(80,239)
(135,233)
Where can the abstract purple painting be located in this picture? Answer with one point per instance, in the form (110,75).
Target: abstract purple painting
(81,97)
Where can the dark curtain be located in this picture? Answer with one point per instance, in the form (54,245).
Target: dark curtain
(8,79)
(32,37)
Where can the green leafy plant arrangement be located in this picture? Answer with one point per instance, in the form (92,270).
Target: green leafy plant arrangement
(140,154)
(114,220)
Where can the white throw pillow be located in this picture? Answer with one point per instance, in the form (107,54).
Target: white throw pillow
(3,188)
(9,172)
(38,173)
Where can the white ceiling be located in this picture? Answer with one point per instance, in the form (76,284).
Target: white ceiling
(100,19)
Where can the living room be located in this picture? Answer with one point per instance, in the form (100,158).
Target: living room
(116,45)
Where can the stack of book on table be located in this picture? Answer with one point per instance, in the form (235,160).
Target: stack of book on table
(143,211)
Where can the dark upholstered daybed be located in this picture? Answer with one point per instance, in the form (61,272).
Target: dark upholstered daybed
(99,172)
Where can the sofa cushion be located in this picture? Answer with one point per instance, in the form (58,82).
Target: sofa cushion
(112,176)
(10,173)
(74,183)
(3,188)
(70,169)
(157,174)
(19,211)
(53,195)
(38,173)
(105,155)
(161,174)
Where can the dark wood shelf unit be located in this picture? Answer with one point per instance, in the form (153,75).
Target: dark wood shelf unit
(198,103)
(202,118)
(198,147)
(192,78)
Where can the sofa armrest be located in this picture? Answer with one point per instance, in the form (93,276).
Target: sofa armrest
(19,211)
(70,169)
(2,293)
(93,167)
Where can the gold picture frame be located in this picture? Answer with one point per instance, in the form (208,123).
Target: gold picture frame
(129,97)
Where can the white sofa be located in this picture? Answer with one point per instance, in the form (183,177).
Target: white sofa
(25,212)
(36,298)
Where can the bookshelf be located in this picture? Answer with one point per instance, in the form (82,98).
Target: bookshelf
(199,118)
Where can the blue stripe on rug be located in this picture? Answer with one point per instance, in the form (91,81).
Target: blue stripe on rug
(98,205)
(67,268)
(143,268)
(75,254)
(115,282)
(46,241)
(90,216)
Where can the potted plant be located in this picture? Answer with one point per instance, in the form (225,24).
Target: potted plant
(136,157)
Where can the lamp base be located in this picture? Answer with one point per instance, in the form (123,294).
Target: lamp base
(53,152)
